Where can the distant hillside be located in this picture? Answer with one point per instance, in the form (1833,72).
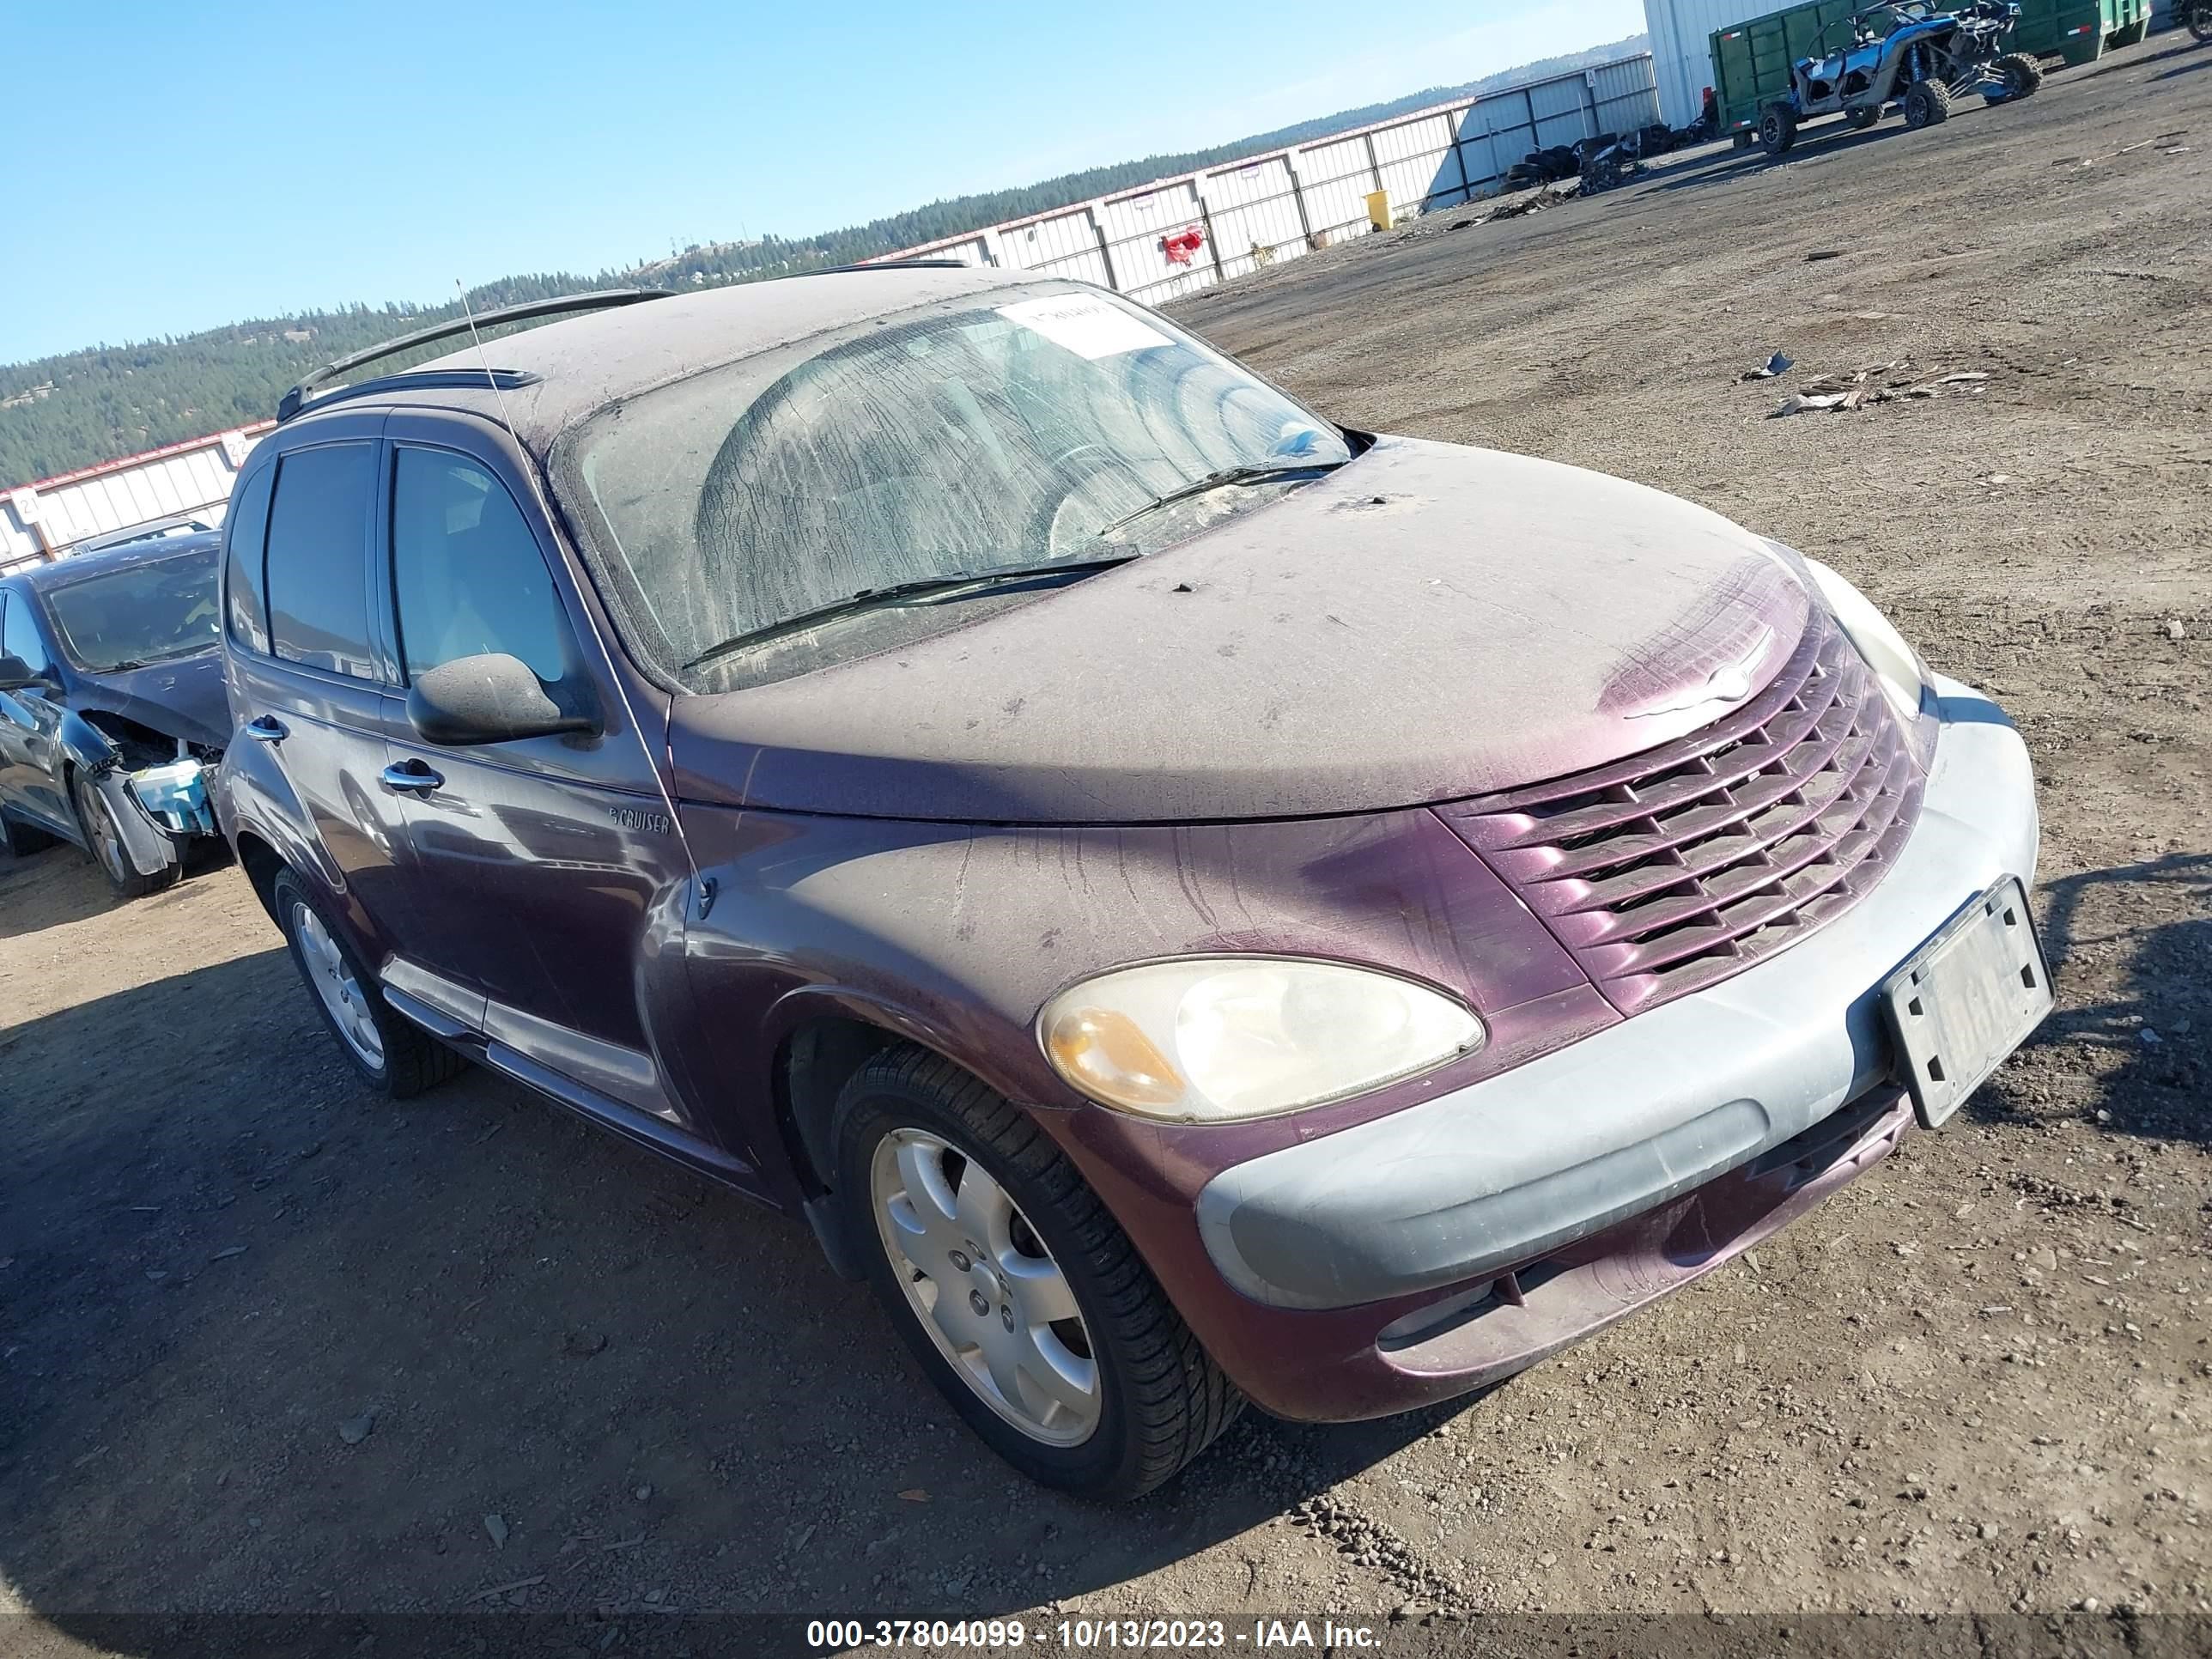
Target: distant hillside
(60,413)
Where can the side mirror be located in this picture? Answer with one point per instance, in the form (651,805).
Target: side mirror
(16,674)
(494,698)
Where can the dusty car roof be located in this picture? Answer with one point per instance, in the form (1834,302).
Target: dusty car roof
(62,572)
(588,362)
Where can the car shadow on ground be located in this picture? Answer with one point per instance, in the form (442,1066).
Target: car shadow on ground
(2156,1024)
(268,1342)
(45,889)
(2174,42)
(59,884)
(1828,138)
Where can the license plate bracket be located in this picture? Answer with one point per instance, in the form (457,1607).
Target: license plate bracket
(1963,1000)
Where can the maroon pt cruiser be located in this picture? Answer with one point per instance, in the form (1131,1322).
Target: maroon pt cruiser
(1195,903)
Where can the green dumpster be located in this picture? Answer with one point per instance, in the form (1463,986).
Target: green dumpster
(2079,30)
(1752,60)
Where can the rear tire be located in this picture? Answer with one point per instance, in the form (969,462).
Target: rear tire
(395,1057)
(1863,117)
(2021,74)
(1927,104)
(103,844)
(913,1132)
(1777,129)
(2200,20)
(2133,34)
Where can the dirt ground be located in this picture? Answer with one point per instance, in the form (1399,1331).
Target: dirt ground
(267,1346)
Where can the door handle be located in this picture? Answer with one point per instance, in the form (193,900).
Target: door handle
(268,728)
(412,778)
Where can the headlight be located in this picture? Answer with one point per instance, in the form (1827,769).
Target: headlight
(1895,663)
(1210,1039)
(176,794)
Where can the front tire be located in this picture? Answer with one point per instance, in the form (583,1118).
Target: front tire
(2200,20)
(1927,104)
(1014,1287)
(1863,117)
(396,1058)
(2021,74)
(103,843)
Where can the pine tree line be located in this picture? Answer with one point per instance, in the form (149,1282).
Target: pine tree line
(63,412)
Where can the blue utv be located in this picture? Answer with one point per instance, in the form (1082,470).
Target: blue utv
(1911,54)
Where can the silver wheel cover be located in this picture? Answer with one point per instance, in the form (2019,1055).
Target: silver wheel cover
(333,980)
(984,1287)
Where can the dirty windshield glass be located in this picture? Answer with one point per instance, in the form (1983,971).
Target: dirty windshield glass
(144,614)
(1036,426)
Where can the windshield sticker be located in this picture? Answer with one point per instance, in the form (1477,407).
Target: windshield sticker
(1085,325)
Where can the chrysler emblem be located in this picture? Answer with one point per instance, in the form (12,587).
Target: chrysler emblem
(1731,684)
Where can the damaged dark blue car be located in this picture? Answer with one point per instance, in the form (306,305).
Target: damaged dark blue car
(112,715)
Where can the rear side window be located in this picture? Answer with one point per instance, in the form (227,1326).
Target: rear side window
(317,580)
(249,524)
(18,634)
(467,572)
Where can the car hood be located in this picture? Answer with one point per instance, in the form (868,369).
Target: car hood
(183,697)
(1426,623)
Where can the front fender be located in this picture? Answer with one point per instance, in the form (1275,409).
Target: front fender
(84,744)
(87,750)
(952,936)
(151,849)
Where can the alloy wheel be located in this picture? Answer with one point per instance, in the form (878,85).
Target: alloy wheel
(334,981)
(984,1287)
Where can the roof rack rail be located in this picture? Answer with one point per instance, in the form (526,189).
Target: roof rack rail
(421,379)
(892,265)
(295,400)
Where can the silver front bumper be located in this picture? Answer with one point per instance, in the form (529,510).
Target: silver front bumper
(1509,1168)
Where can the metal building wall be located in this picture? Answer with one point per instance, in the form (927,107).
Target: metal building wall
(1682,51)
(1290,201)
(189,479)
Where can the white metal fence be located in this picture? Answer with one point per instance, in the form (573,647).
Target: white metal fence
(1175,236)
(44,520)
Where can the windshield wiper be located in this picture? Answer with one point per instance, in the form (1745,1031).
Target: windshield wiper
(1250,473)
(928,588)
(132,665)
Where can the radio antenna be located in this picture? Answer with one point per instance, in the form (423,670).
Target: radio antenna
(614,675)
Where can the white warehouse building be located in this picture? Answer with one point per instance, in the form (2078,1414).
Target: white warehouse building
(1682,48)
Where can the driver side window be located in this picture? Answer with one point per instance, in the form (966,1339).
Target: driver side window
(467,572)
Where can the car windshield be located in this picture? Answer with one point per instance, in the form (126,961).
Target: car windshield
(1045,425)
(164,608)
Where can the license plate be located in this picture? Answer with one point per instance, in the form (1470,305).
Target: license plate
(1966,999)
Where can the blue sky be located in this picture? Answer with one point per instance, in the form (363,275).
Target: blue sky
(176,168)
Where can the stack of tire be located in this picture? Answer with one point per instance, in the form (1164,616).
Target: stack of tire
(1544,167)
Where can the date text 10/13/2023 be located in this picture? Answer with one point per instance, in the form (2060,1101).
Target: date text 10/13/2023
(1091,1635)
